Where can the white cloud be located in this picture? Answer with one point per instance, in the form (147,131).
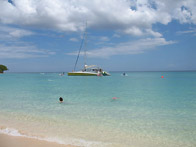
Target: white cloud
(104,38)
(73,39)
(134,17)
(13,33)
(70,15)
(12,47)
(134,31)
(191,31)
(22,51)
(134,47)
(20,33)
(116,36)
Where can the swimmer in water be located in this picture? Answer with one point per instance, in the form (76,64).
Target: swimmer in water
(60,99)
(114,99)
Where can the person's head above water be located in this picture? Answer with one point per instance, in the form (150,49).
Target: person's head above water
(61,99)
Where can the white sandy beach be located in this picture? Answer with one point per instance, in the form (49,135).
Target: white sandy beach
(13,141)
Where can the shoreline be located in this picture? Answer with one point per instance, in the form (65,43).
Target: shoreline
(21,141)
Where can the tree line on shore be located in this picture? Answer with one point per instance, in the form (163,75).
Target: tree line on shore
(3,68)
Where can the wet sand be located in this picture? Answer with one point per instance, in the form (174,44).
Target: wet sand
(14,141)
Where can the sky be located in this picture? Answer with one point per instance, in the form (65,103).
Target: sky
(122,35)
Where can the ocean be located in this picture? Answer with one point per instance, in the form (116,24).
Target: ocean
(142,109)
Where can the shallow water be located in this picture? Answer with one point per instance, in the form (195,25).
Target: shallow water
(149,110)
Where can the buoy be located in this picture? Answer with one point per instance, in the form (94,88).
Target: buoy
(162,77)
(114,98)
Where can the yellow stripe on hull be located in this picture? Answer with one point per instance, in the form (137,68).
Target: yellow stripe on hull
(80,74)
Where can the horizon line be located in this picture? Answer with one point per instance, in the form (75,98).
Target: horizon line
(109,71)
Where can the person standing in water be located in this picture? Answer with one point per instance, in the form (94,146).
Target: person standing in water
(60,99)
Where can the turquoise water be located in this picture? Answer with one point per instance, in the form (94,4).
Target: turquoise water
(150,110)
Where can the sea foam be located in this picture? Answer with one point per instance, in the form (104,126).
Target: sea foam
(67,141)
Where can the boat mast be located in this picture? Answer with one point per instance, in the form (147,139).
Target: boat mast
(82,42)
(85,45)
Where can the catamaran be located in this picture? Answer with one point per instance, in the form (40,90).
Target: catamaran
(88,70)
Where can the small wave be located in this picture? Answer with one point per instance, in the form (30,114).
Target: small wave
(9,131)
(67,141)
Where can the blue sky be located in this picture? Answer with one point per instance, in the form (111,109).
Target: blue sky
(122,35)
